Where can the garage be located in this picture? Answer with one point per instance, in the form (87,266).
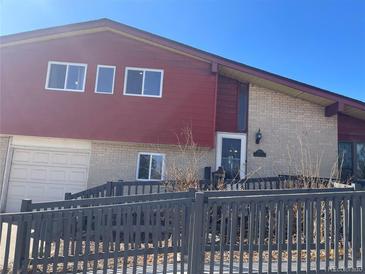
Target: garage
(45,174)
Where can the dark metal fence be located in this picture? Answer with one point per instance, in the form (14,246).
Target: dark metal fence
(252,231)
(146,236)
(121,188)
(291,233)
(28,205)
(280,182)
(126,188)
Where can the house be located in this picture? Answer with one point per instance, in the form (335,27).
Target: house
(86,103)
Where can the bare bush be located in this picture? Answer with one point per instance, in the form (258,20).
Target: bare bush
(184,168)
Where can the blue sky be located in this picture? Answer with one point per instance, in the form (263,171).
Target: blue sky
(319,42)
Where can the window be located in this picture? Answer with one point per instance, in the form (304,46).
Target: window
(150,166)
(242,108)
(345,159)
(143,82)
(360,160)
(66,76)
(352,159)
(105,79)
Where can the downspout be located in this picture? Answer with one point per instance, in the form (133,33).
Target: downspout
(216,71)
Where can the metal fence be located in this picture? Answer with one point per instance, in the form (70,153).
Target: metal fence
(120,188)
(126,188)
(144,236)
(292,233)
(284,182)
(27,205)
(252,231)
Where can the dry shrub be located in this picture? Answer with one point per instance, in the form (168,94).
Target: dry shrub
(184,169)
(307,163)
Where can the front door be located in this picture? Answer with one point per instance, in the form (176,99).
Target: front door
(231,154)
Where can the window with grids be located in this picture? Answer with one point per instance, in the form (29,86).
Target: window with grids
(143,82)
(66,76)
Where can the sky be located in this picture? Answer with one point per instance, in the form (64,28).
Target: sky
(318,42)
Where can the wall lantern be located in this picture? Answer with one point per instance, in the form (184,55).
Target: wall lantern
(258,136)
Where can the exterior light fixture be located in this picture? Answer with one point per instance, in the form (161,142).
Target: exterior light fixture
(258,136)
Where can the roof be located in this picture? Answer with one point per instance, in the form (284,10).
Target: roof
(333,101)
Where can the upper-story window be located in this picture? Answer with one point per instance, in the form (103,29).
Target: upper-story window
(105,79)
(66,76)
(143,82)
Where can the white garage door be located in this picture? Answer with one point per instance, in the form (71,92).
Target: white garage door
(45,174)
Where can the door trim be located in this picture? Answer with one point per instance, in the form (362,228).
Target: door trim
(232,135)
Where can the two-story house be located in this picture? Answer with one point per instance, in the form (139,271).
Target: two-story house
(86,103)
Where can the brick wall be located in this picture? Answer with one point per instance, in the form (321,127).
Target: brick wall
(114,160)
(296,135)
(4,144)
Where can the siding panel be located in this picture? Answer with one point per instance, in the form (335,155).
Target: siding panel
(350,129)
(28,109)
(227,105)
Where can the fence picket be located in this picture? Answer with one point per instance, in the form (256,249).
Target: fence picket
(168,216)
(155,232)
(280,232)
(337,216)
(362,229)
(221,236)
(250,236)
(289,237)
(98,227)
(308,228)
(299,236)
(318,235)
(261,213)
(213,228)
(7,246)
(270,237)
(327,227)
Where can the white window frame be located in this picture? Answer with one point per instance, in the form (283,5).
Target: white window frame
(239,136)
(144,73)
(65,83)
(150,164)
(97,79)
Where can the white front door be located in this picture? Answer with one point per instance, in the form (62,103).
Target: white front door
(231,154)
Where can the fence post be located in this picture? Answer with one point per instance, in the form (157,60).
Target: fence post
(195,245)
(19,257)
(119,188)
(359,185)
(26,205)
(109,189)
(188,222)
(68,196)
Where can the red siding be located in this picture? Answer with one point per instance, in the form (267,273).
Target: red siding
(350,129)
(28,109)
(227,104)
